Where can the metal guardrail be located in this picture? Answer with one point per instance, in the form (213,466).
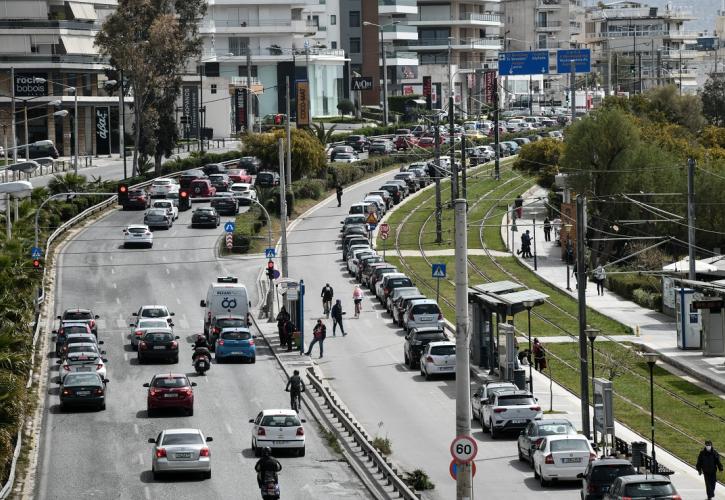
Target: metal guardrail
(383,464)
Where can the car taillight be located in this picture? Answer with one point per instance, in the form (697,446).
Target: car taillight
(591,488)
(549,459)
(535,408)
(66,392)
(92,323)
(142,345)
(300,431)
(429,359)
(440,316)
(220,342)
(147,232)
(66,368)
(538,442)
(216,330)
(139,333)
(592,456)
(204,452)
(161,453)
(99,366)
(152,392)
(677,497)
(174,344)
(251,342)
(98,391)
(499,410)
(260,432)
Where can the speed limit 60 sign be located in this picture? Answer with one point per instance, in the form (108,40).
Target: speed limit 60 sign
(464,449)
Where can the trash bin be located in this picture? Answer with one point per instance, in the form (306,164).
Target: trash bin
(638,448)
(520,378)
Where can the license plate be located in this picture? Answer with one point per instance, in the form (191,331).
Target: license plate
(159,347)
(138,235)
(82,393)
(426,318)
(571,460)
(182,455)
(279,442)
(447,367)
(518,421)
(170,395)
(83,369)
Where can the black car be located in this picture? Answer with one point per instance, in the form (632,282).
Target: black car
(190,175)
(251,164)
(353,239)
(83,389)
(410,179)
(77,315)
(342,149)
(205,216)
(137,199)
(220,181)
(158,345)
(214,168)
(600,475)
(225,203)
(42,149)
(220,322)
(415,342)
(358,142)
(267,179)
(358,229)
(395,191)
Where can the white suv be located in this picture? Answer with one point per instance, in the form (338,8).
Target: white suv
(509,411)
(171,209)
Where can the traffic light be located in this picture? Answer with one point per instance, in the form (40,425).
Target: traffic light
(278,119)
(270,269)
(37,264)
(122,192)
(184,200)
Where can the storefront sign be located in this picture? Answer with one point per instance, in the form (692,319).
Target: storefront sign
(428,92)
(303,103)
(25,85)
(489,86)
(103,130)
(240,108)
(190,103)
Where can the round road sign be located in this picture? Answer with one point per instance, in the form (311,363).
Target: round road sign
(384,228)
(383,236)
(453,469)
(464,449)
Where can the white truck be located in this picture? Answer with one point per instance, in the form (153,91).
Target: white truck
(226,296)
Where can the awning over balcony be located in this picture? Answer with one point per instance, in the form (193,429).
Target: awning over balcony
(82,11)
(15,44)
(24,9)
(78,44)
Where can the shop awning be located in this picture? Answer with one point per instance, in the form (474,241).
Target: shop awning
(82,11)
(78,44)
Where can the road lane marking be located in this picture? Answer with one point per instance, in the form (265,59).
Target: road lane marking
(147,492)
(172,285)
(118,300)
(113,271)
(135,428)
(163,257)
(229,428)
(140,458)
(115,286)
(125,356)
(178,300)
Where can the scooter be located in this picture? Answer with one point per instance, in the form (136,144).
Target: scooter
(202,361)
(270,490)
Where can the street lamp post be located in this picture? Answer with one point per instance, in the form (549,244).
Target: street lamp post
(385,66)
(7,188)
(121,118)
(69,88)
(592,335)
(528,304)
(652,358)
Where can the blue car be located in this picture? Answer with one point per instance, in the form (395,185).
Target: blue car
(235,343)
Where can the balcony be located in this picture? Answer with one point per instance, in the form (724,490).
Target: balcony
(677,54)
(257,27)
(550,4)
(48,24)
(677,13)
(386,7)
(400,58)
(399,32)
(441,44)
(677,35)
(467,19)
(548,25)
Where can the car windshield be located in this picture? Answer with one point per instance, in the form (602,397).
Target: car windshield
(648,490)
(264,176)
(153,323)
(552,429)
(73,379)
(77,315)
(515,401)
(608,473)
(430,337)
(568,444)
(280,421)
(229,322)
(158,337)
(162,204)
(182,438)
(355,220)
(398,282)
(425,309)
(204,210)
(344,156)
(443,350)
(170,382)
(156,211)
(236,335)
(80,339)
(137,230)
(154,312)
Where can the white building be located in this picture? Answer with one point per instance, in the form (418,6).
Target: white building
(281,39)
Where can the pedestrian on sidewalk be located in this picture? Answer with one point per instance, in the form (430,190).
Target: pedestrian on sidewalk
(327,294)
(547,229)
(708,463)
(338,192)
(527,250)
(599,276)
(319,333)
(337,318)
(290,330)
(539,355)
(282,319)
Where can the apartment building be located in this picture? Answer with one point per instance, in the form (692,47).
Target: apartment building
(636,47)
(53,40)
(266,42)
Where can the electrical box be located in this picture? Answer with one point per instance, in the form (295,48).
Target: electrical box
(688,320)
(603,406)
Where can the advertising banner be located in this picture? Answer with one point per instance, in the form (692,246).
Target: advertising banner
(428,92)
(240,109)
(489,86)
(103,130)
(25,85)
(190,103)
(303,103)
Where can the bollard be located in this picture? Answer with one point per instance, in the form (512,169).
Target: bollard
(636,331)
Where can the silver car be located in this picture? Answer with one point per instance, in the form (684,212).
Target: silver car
(180,450)
(158,217)
(142,325)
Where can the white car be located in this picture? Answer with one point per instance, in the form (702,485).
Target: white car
(88,361)
(354,256)
(379,286)
(181,450)
(379,202)
(161,187)
(171,209)
(138,234)
(142,325)
(438,358)
(346,158)
(244,192)
(155,312)
(278,429)
(562,457)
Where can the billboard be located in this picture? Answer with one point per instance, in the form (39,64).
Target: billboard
(103,130)
(406,72)
(240,109)
(489,86)
(190,105)
(303,103)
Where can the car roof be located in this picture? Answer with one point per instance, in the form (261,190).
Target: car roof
(424,301)
(553,421)
(80,335)
(75,322)
(169,375)
(137,226)
(71,375)
(280,411)
(605,461)
(642,478)
(158,330)
(235,329)
(242,184)
(76,309)
(151,306)
(188,430)
(442,343)
(513,392)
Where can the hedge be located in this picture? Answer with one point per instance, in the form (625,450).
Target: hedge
(641,289)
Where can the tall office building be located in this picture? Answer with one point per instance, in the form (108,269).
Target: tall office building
(53,40)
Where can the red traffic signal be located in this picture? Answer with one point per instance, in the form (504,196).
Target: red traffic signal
(122,192)
(37,264)
(270,264)
(183,194)
(270,269)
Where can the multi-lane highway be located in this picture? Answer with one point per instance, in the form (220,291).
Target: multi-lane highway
(106,454)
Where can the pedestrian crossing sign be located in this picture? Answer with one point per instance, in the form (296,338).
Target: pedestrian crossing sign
(439,270)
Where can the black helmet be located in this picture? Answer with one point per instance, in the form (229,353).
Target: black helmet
(266,451)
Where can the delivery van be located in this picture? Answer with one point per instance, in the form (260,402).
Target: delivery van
(227,296)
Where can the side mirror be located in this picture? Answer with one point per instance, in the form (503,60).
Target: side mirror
(103,352)
(146,384)
(131,325)
(202,303)
(209,438)
(303,420)
(57,317)
(152,441)
(177,337)
(580,476)
(97,316)
(193,384)
(100,342)
(251,420)
(105,360)
(134,314)
(172,314)
(105,381)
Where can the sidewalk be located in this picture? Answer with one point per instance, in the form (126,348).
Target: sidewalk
(658,332)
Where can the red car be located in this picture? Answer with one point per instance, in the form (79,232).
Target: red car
(405,141)
(201,188)
(426,142)
(170,390)
(137,198)
(239,175)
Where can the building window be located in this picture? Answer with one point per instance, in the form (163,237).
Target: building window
(238,45)
(242,71)
(354,45)
(213,88)
(333,20)
(333,45)
(355,19)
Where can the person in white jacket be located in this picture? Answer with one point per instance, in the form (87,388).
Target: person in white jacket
(599,276)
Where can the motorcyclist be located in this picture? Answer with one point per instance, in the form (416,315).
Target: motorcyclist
(201,348)
(295,386)
(267,465)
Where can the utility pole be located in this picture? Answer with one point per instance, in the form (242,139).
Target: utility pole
(639,71)
(452,148)
(609,72)
(659,67)
(573,91)
(616,72)
(581,279)
(680,73)
(496,144)
(25,118)
(437,180)
(464,488)
(201,107)
(385,79)
(248,95)
(691,164)
(282,208)
(463,166)
(122,122)
(287,126)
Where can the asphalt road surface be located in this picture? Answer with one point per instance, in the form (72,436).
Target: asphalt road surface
(106,454)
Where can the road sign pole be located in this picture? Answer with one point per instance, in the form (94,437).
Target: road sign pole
(438,289)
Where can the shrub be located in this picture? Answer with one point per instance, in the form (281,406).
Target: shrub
(342,174)
(418,480)
(383,445)
(641,289)
(308,188)
(345,107)
(650,300)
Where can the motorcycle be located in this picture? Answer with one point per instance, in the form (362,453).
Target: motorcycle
(202,360)
(270,489)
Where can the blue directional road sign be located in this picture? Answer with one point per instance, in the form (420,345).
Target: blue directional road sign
(439,270)
(36,253)
(269,253)
(582,59)
(229,227)
(532,62)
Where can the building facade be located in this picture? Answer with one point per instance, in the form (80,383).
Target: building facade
(53,40)
(258,45)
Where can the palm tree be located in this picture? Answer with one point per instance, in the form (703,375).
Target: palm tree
(67,183)
(317,130)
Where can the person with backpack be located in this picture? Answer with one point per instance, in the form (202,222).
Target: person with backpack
(337,318)
(327,294)
(295,386)
(539,355)
(319,333)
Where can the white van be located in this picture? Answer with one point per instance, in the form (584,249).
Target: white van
(226,296)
